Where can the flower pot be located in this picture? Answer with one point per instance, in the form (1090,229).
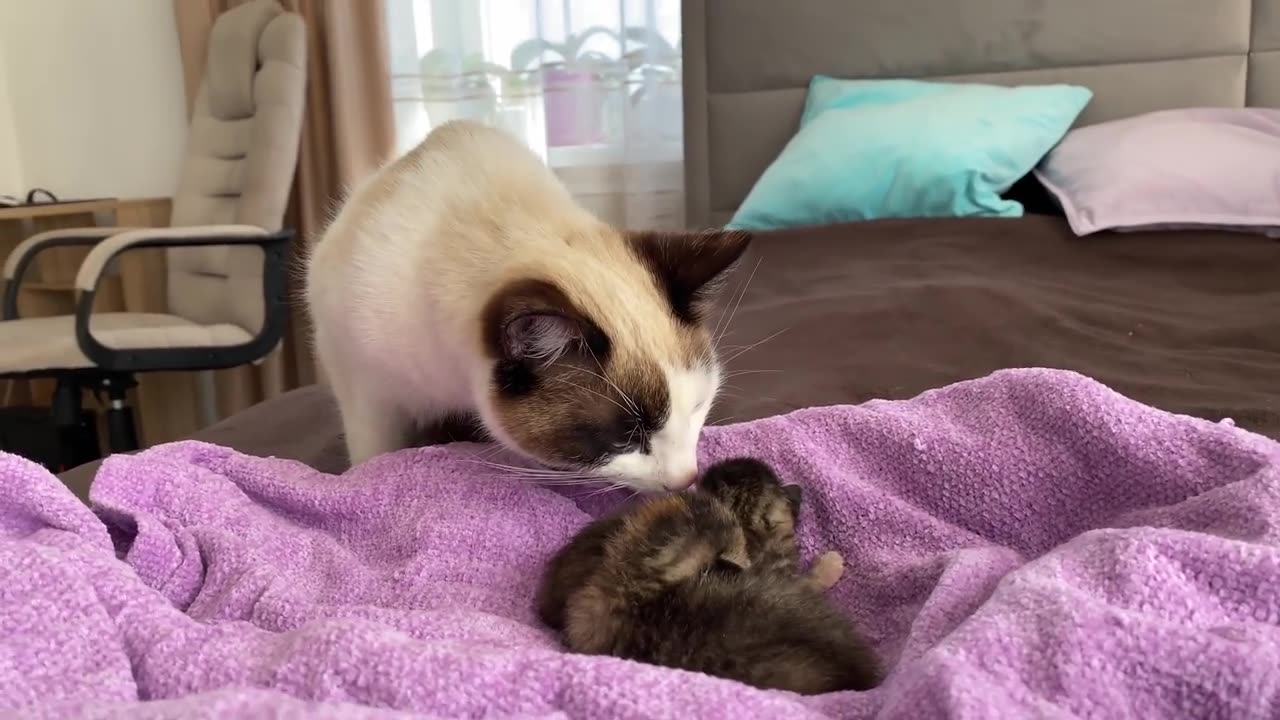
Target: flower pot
(573,102)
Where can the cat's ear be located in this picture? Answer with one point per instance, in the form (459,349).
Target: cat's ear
(690,267)
(533,320)
(540,337)
(794,496)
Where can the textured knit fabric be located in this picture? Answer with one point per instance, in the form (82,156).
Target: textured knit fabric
(1025,545)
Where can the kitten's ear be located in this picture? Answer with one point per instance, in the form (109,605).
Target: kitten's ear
(794,496)
(533,320)
(690,267)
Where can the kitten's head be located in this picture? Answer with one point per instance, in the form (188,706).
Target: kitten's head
(674,538)
(751,490)
(611,369)
(664,542)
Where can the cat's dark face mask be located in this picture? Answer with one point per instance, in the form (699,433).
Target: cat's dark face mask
(627,407)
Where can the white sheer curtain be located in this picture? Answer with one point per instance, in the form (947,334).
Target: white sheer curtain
(593,86)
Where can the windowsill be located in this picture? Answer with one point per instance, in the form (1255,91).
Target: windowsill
(654,178)
(628,166)
(607,154)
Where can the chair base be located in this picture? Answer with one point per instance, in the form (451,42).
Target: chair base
(68,415)
(78,443)
(122,433)
(31,433)
(67,437)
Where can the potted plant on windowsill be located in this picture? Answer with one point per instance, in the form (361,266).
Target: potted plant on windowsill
(654,70)
(457,86)
(575,84)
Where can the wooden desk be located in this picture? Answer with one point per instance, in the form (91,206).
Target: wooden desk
(165,401)
(50,286)
(44,210)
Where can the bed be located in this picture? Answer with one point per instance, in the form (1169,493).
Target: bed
(1187,321)
(1019,543)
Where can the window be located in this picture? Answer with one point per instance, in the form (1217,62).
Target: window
(583,82)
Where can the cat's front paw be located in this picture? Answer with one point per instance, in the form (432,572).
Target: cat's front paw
(826,570)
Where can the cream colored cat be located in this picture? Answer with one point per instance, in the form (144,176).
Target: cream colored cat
(462,281)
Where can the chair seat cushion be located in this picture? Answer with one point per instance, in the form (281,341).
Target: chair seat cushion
(32,345)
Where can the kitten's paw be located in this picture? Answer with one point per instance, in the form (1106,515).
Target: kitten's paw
(826,570)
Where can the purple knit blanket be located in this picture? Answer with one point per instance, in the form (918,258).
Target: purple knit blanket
(1029,544)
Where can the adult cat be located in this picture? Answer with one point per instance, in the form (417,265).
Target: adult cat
(463,281)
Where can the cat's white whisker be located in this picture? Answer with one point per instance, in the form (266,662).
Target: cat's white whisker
(606,489)
(736,297)
(720,331)
(737,373)
(594,392)
(604,376)
(724,310)
(753,346)
(574,482)
(491,452)
(549,473)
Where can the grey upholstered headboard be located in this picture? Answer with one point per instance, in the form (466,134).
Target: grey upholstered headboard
(747,63)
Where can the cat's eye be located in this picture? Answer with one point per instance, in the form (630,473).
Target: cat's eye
(634,438)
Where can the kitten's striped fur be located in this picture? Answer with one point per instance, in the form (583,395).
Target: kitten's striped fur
(708,581)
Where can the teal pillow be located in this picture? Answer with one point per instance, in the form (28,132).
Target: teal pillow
(869,149)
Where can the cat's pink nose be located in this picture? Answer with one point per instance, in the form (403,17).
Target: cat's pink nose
(681,481)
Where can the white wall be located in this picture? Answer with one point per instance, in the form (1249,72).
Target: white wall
(11,182)
(96,96)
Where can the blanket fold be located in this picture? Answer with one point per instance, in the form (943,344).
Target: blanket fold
(1029,544)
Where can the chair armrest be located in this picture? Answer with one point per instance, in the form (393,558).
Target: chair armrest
(22,256)
(275,273)
(192,235)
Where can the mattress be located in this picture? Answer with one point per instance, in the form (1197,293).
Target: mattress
(1185,321)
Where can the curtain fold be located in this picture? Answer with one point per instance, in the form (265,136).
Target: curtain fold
(348,131)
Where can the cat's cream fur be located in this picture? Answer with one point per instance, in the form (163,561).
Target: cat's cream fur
(423,269)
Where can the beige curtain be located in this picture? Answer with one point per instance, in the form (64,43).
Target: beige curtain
(348,131)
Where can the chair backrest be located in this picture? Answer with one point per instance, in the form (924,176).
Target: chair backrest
(241,154)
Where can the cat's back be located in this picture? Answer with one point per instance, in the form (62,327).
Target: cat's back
(441,200)
(464,165)
(432,230)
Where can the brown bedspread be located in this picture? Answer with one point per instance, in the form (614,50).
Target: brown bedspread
(1185,321)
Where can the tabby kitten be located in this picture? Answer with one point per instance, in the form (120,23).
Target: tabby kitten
(708,582)
(673,537)
(768,512)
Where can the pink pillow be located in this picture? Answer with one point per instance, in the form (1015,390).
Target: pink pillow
(1199,167)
